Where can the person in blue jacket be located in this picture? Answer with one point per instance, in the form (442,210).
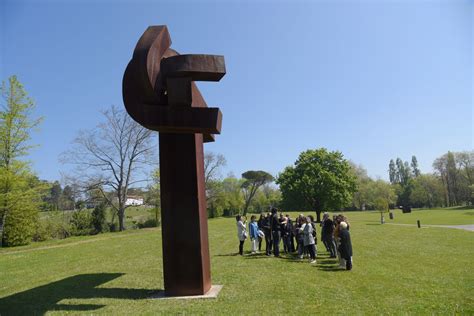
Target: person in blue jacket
(253,228)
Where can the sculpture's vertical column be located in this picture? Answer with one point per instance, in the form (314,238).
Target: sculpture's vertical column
(186,261)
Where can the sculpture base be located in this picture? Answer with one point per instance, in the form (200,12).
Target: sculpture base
(212,293)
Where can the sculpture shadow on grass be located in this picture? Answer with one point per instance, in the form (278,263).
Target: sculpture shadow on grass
(39,300)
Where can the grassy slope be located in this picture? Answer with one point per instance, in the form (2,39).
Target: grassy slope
(397,269)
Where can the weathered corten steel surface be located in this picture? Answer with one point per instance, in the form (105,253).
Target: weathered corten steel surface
(159,92)
(145,88)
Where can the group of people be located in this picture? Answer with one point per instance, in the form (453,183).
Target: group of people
(297,236)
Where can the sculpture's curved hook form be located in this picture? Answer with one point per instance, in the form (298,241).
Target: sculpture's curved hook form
(153,67)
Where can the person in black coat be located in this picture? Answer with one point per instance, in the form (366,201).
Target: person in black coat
(327,235)
(261,223)
(346,246)
(268,234)
(289,227)
(275,229)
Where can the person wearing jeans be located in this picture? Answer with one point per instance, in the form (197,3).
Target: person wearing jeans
(253,229)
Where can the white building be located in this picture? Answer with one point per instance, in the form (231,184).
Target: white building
(134,201)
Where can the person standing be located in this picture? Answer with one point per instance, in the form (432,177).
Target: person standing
(275,230)
(241,233)
(327,235)
(284,233)
(268,234)
(261,234)
(346,245)
(253,229)
(308,239)
(299,235)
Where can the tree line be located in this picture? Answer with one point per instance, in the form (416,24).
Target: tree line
(451,183)
(118,158)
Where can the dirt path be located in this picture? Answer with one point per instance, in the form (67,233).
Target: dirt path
(463,227)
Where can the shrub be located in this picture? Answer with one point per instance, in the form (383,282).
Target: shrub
(41,231)
(151,222)
(81,223)
(19,225)
(98,218)
(51,228)
(112,227)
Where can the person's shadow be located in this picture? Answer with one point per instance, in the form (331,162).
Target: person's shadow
(39,300)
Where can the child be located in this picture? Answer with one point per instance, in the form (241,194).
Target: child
(253,227)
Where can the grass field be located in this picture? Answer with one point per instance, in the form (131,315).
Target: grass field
(397,270)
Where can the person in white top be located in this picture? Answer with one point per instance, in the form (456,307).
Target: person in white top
(241,233)
(308,239)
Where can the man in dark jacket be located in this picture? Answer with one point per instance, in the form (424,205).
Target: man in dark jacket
(268,234)
(327,235)
(275,228)
(346,246)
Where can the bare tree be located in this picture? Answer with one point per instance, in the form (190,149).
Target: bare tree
(212,164)
(112,157)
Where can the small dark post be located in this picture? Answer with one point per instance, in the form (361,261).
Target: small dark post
(418,223)
(159,93)
(390,215)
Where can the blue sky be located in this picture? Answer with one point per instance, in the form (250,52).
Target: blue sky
(374,79)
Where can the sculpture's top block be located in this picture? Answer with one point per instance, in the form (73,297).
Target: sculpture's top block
(146,82)
(197,67)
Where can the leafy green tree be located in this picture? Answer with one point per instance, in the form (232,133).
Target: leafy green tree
(381,205)
(153,196)
(319,180)
(400,171)
(233,196)
(427,191)
(55,192)
(266,197)
(361,197)
(19,196)
(414,166)
(68,198)
(392,172)
(253,181)
(382,190)
(456,172)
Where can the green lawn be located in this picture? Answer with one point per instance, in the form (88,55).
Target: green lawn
(397,270)
(428,217)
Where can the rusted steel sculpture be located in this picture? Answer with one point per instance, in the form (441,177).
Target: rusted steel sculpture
(160,94)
